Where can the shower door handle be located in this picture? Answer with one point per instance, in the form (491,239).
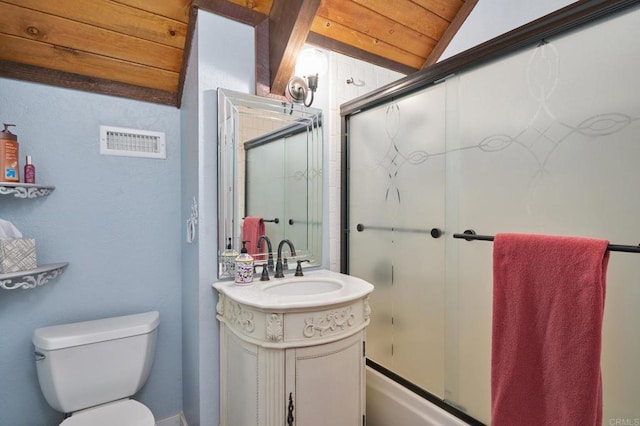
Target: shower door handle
(435,232)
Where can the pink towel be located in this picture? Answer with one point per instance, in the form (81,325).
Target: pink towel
(252,230)
(548,303)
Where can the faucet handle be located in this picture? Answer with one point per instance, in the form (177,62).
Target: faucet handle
(279,273)
(299,268)
(265,273)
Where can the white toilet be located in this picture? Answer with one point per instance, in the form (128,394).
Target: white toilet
(90,369)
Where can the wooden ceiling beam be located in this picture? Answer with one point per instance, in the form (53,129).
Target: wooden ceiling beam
(351,23)
(69,80)
(362,55)
(263,75)
(450,32)
(186,53)
(230,10)
(289,24)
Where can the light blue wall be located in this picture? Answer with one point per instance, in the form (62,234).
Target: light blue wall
(116,220)
(190,293)
(222,56)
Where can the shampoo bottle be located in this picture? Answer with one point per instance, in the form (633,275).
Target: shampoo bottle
(244,266)
(229,259)
(29,171)
(9,154)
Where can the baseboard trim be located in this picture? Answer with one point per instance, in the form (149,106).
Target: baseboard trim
(177,420)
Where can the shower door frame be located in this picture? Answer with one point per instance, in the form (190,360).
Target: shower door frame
(558,22)
(531,34)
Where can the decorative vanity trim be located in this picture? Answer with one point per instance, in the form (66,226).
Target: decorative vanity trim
(25,190)
(275,330)
(328,323)
(31,278)
(271,364)
(220,305)
(367,309)
(298,328)
(239,317)
(275,321)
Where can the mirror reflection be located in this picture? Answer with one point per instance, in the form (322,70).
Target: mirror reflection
(269,180)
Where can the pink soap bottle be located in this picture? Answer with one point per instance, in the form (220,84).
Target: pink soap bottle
(29,171)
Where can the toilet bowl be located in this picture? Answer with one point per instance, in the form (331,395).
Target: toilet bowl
(112,357)
(127,412)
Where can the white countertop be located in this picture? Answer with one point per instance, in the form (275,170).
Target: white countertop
(282,294)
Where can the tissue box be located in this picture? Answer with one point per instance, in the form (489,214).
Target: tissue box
(18,254)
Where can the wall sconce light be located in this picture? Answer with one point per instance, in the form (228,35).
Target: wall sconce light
(311,63)
(299,88)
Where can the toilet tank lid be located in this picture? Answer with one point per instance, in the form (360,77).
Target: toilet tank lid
(87,332)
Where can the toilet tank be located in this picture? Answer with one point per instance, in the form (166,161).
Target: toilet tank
(88,363)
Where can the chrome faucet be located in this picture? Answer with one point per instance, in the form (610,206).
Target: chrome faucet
(270,248)
(279,273)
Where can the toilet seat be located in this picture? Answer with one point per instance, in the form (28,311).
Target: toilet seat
(126,412)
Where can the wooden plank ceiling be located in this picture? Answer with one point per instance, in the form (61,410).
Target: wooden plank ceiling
(138,48)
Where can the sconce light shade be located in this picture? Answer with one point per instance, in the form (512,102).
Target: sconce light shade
(312,61)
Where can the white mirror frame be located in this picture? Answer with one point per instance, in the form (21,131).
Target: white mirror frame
(234,108)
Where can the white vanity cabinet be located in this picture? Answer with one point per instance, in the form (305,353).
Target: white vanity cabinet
(294,357)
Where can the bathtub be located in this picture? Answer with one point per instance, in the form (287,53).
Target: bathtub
(390,404)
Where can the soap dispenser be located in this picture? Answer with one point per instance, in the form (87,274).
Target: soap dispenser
(244,266)
(9,154)
(229,260)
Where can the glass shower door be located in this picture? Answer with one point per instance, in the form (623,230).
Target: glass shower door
(396,154)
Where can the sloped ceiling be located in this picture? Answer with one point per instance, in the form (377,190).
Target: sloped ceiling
(138,49)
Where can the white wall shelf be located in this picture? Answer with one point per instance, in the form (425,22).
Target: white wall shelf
(25,190)
(32,278)
(41,275)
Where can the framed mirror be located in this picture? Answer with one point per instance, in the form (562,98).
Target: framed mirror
(269,172)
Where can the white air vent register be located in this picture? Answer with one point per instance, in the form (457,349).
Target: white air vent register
(132,142)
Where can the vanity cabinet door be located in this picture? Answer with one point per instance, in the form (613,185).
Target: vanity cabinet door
(252,380)
(326,383)
(238,380)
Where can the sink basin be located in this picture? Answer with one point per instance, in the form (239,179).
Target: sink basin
(302,287)
(316,289)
